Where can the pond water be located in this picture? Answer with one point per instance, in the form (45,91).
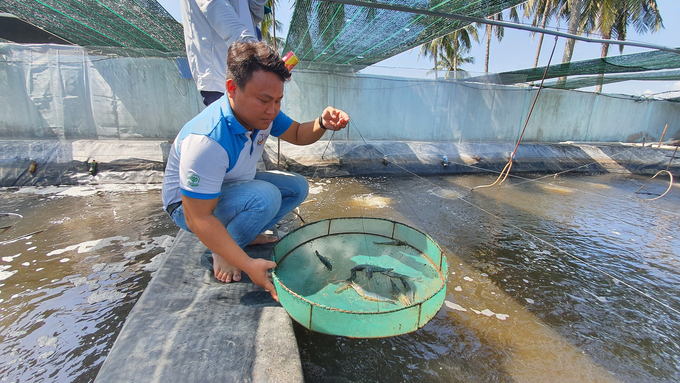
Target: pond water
(65,292)
(570,278)
(551,279)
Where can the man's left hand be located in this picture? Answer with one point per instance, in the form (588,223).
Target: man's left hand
(334,119)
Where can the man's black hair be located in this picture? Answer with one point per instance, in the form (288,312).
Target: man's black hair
(244,58)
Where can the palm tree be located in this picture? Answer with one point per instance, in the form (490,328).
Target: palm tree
(499,32)
(450,47)
(573,9)
(461,43)
(543,10)
(611,18)
(268,31)
(451,63)
(432,49)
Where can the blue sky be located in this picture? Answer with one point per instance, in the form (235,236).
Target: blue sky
(518,50)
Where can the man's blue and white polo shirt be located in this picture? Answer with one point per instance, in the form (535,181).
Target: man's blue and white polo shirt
(213,148)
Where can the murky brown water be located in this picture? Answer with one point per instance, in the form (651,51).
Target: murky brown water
(564,279)
(567,279)
(66,291)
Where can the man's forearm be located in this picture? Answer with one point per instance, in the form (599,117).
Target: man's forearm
(311,132)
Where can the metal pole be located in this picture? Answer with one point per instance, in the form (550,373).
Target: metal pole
(427,12)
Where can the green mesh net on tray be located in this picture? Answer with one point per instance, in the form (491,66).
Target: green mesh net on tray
(143,24)
(340,37)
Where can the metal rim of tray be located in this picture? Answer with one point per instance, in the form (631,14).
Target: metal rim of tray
(432,302)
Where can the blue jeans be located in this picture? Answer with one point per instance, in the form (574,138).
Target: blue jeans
(248,208)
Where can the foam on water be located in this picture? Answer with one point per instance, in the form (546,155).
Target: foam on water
(89,246)
(316,189)
(4,274)
(454,306)
(371,201)
(10,258)
(105,295)
(164,242)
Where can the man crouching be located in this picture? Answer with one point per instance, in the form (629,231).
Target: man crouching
(211,186)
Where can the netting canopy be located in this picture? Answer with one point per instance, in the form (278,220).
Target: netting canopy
(141,24)
(631,63)
(334,36)
(583,82)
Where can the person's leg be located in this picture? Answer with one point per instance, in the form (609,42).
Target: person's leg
(242,207)
(210,96)
(245,206)
(178,217)
(293,188)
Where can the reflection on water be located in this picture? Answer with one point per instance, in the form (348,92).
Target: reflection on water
(559,279)
(66,291)
(556,279)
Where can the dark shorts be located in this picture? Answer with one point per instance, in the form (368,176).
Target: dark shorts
(210,96)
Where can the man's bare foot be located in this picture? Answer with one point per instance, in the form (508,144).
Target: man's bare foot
(224,271)
(262,239)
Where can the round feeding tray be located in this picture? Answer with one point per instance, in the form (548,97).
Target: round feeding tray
(359,277)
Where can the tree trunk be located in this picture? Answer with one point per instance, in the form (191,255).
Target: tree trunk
(605,51)
(455,59)
(544,20)
(489,30)
(574,21)
(435,63)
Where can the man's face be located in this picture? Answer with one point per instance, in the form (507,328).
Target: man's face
(257,104)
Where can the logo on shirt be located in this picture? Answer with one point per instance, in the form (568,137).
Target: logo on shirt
(262,138)
(194,180)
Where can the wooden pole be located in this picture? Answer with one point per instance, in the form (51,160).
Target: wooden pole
(662,134)
(276,48)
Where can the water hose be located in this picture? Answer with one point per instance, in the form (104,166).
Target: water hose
(10,215)
(670,185)
(506,170)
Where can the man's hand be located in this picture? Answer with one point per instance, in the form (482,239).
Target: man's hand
(258,271)
(310,132)
(334,119)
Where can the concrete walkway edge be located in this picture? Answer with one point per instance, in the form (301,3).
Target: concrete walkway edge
(188,327)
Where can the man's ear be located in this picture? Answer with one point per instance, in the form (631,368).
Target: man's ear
(231,87)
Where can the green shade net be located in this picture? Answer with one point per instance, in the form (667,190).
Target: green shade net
(139,24)
(339,37)
(632,63)
(583,82)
